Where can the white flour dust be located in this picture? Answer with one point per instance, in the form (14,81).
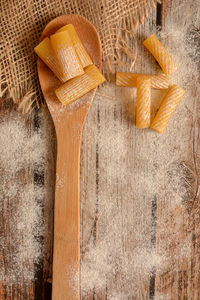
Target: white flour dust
(21,201)
(118,255)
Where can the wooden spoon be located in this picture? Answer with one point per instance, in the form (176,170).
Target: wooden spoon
(69,121)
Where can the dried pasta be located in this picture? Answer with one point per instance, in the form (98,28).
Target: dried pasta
(66,54)
(80,49)
(130,79)
(166,62)
(143,106)
(167,107)
(79,86)
(46,53)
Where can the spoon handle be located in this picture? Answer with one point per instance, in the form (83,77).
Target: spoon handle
(66,254)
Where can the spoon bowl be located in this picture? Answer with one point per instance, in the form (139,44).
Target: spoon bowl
(68,121)
(48,81)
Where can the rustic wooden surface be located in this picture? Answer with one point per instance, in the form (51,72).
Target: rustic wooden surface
(179,278)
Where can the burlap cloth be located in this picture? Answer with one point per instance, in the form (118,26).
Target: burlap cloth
(22,22)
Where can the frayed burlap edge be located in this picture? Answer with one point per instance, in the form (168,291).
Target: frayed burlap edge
(116,32)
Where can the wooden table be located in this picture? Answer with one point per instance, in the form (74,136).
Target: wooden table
(157,175)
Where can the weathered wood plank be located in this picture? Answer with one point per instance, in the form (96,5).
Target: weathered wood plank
(137,172)
(177,223)
(39,125)
(12,288)
(118,154)
(156,157)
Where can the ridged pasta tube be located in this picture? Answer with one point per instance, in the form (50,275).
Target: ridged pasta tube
(130,79)
(79,86)
(166,62)
(80,49)
(167,107)
(66,54)
(143,105)
(46,53)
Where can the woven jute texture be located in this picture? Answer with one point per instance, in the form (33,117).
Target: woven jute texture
(22,22)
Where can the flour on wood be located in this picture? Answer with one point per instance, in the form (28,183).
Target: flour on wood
(21,201)
(119,255)
(117,251)
(122,248)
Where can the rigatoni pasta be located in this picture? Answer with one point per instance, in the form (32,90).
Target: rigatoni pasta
(143,105)
(47,55)
(79,86)
(63,48)
(167,107)
(80,49)
(62,53)
(130,79)
(166,62)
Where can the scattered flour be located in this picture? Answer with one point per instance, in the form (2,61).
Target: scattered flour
(21,200)
(118,251)
(18,148)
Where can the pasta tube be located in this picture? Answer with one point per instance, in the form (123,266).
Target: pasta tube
(45,52)
(130,79)
(79,86)
(167,107)
(66,54)
(143,105)
(166,62)
(80,49)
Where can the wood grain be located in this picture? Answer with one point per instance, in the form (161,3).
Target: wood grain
(13,289)
(179,277)
(68,121)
